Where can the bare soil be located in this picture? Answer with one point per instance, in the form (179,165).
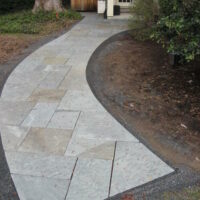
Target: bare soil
(13,45)
(161,102)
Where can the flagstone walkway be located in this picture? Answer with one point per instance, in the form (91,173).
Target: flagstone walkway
(60,142)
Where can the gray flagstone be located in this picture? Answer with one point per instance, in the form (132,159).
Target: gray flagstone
(59,140)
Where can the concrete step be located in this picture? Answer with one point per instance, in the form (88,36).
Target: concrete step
(125,9)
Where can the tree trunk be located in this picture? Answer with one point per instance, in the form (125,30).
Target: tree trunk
(48,5)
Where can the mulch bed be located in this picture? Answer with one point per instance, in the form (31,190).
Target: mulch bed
(14,45)
(160,102)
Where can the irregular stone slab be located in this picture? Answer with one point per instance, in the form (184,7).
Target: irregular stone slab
(13,113)
(14,92)
(135,165)
(52,80)
(61,64)
(33,78)
(57,68)
(51,141)
(40,188)
(63,120)
(83,148)
(75,80)
(55,60)
(47,51)
(59,167)
(90,180)
(99,33)
(80,100)
(47,95)
(12,136)
(79,60)
(40,115)
(101,125)
(29,64)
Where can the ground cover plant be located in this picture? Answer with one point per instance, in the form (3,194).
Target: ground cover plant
(189,193)
(29,23)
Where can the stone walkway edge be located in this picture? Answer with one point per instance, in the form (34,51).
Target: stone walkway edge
(60,142)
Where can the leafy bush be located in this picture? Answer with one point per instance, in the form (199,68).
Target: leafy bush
(144,14)
(179,28)
(27,22)
(166,7)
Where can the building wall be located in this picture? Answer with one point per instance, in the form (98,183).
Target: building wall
(110,4)
(101,5)
(82,5)
(110,8)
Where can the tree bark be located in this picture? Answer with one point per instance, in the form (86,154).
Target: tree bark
(48,5)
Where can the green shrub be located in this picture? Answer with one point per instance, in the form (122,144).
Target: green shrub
(179,28)
(166,7)
(27,22)
(144,14)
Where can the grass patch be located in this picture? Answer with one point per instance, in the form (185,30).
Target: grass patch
(192,193)
(40,22)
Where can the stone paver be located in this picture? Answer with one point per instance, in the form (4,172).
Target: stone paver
(100,125)
(13,113)
(32,188)
(47,95)
(57,68)
(85,148)
(74,80)
(13,136)
(80,100)
(60,142)
(59,167)
(52,80)
(90,180)
(40,115)
(55,60)
(45,140)
(64,119)
(134,164)
(17,92)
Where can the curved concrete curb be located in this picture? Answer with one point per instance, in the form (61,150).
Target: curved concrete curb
(60,142)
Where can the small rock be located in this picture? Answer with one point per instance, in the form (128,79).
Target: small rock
(197,159)
(131,105)
(190,81)
(184,126)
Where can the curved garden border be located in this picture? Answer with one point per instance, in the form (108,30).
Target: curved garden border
(182,176)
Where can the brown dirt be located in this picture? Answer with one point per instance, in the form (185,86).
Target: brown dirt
(161,102)
(13,45)
(128,197)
